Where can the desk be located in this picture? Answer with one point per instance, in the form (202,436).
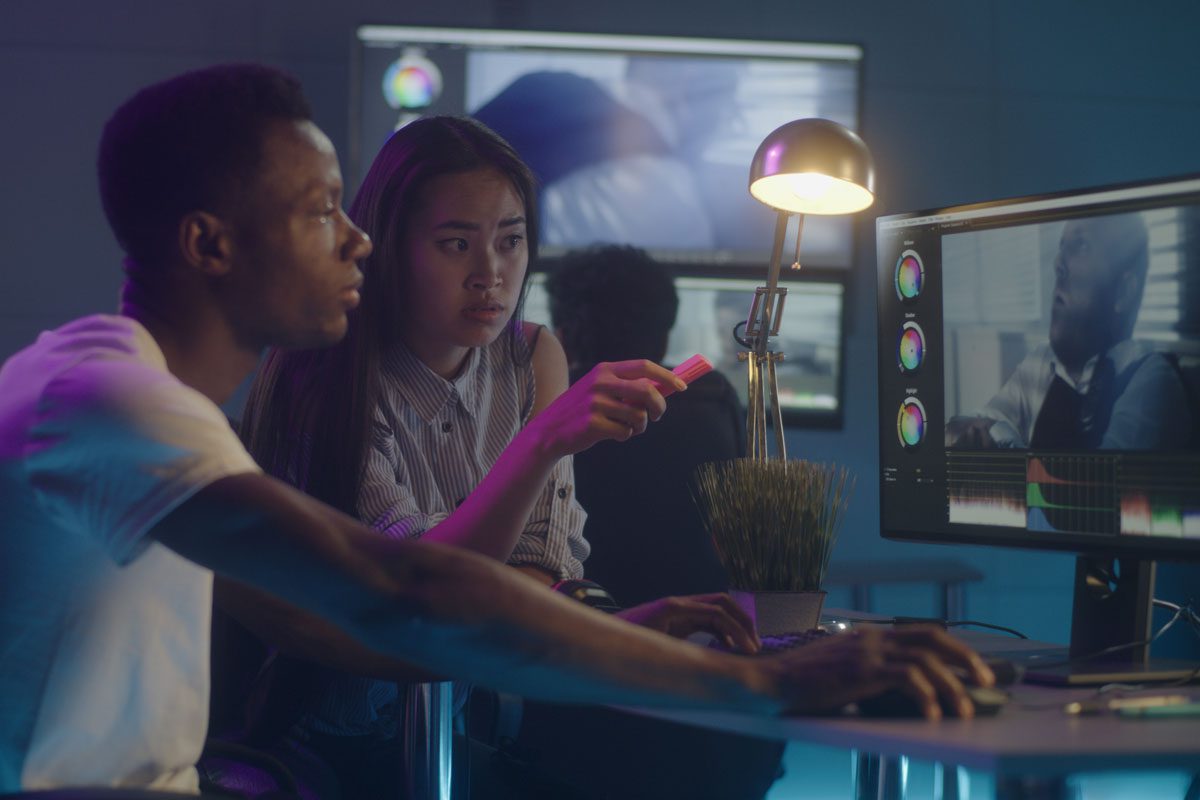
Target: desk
(1031,738)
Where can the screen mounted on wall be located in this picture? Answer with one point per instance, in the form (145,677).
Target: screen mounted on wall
(635,140)
(811,335)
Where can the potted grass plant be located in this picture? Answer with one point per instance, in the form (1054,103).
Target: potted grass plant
(774,523)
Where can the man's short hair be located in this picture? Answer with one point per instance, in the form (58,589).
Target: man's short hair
(611,303)
(188,143)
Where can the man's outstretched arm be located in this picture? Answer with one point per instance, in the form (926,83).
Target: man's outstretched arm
(440,607)
(466,616)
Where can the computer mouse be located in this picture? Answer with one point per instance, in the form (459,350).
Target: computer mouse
(988,700)
(1007,672)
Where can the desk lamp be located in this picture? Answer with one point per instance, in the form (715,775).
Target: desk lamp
(807,166)
(774,521)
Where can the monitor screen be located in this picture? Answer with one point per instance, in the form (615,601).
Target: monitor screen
(635,140)
(810,336)
(1039,372)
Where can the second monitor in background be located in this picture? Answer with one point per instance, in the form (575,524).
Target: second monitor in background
(812,337)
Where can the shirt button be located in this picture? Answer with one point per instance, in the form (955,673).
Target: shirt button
(562,493)
(446,426)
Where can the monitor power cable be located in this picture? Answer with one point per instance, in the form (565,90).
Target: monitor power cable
(1180,612)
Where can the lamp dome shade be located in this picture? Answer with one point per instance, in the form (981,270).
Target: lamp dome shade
(813,166)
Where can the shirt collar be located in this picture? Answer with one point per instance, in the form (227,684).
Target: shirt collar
(1085,374)
(1122,355)
(1127,352)
(426,391)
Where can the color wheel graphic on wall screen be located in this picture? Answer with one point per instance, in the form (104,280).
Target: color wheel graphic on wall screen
(412,82)
(910,349)
(910,422)
(910,276)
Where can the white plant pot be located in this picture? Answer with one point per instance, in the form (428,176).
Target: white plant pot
(781,612)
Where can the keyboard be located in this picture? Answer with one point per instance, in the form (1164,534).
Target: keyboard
(787,641)
(780,642)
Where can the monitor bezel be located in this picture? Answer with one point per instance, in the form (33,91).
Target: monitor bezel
(1083,544)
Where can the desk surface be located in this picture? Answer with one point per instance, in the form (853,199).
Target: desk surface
(1031,735)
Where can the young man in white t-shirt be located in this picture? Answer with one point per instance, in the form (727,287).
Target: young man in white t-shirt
(124,489)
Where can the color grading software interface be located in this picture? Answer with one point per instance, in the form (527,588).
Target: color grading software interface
(910,381)
(966,298)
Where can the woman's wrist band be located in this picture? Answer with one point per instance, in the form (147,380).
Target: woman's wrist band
(589,593)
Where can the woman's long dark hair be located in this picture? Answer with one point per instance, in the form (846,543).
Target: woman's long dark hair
(308,416)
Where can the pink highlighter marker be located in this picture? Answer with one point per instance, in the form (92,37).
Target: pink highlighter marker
(688,371)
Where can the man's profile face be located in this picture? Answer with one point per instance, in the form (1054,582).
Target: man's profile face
(296,275)
(1081,314)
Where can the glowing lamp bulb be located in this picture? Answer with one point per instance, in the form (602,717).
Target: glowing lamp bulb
(811,193)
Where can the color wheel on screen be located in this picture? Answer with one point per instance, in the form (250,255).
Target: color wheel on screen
(910,276)
(412,82)
(910,423)
(910,349)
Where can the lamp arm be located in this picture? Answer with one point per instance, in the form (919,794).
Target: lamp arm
(799,233)
(759,325)
(767,307)
(762,383)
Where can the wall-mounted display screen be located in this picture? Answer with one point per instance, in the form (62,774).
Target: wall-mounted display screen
(811,335)
(636,140)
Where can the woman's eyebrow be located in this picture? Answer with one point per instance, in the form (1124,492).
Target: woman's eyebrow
(456,225)
(464,225)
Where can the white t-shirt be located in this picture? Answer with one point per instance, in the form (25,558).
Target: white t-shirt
(104,635)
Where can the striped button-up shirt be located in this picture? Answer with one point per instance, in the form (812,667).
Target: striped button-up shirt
(434,440)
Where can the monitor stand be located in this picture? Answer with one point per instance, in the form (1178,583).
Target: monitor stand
(1112,607)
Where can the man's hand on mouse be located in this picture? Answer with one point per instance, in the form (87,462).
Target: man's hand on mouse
(916,660)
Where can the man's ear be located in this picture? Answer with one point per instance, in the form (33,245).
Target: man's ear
(1128,293)
(204,241)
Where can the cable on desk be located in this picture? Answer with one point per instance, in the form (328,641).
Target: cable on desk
(976,623)
(945,623)
(1186,611)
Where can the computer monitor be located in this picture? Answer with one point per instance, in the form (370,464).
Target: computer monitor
(1039,387)
(639,140)
(810,336)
